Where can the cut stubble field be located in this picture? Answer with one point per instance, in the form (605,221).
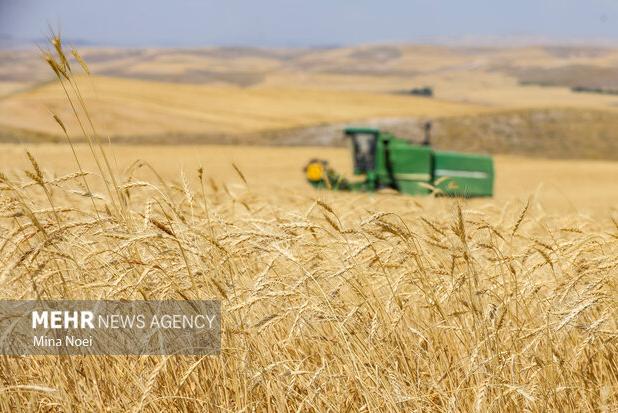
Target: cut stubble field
(563,186)
(125,107)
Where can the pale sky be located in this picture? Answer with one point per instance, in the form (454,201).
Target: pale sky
(191,23)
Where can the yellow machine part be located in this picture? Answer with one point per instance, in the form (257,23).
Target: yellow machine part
(315,171)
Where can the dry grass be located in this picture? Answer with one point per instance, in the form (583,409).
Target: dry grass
(331,301)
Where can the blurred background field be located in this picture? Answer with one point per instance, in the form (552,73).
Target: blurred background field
(515,102)
(494,99)
(562,186)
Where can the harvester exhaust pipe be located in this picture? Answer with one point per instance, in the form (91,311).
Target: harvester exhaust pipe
(427,138)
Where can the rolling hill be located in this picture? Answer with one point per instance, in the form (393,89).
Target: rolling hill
(514,99)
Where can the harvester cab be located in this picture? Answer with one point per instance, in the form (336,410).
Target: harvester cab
(363,143)
(387,161)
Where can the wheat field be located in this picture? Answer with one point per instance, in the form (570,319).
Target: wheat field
(330,301)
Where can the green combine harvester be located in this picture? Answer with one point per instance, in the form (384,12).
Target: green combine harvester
(415,169)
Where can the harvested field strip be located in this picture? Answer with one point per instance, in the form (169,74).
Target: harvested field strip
(124,107)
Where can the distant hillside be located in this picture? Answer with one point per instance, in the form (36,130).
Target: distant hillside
(123,107)
(498,99)
(249,66)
